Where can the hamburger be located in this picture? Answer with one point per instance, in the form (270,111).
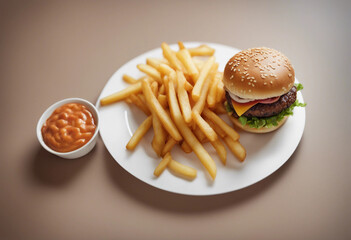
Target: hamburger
(260,89)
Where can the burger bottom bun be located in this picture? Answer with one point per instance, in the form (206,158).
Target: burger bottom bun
(247,128)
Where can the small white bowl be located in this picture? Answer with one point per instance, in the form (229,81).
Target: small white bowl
(86,148)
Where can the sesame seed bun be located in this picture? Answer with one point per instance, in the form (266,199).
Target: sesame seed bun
(247,128)
(258,73)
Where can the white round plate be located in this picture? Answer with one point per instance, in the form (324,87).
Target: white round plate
(265,152)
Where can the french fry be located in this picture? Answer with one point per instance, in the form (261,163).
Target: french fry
(195,94)
(161,90)
(162,165)
(182,170)
(184,56)
(142,78)
(181,45)
(128,100)
(220,90)
(169,145)
(150,71)
(140,104)
(160,135)
(212,94)
(154,88)
(188,135)
(129,79)
(199,134)
(183,97)
(121,95)
(161,113)
(198,63)
(171,56)
(203,50)
(200,104)
(205,127)
(188,87)
(139,133)
(165,81)
(141,97)
(155,62)
(185,147)
(222,124)
(215,127)
(236,148)
(220,149)
(165,69)
(163,100)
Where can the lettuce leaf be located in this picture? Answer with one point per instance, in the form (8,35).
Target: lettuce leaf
(268,122)
(227,107)
(298,86)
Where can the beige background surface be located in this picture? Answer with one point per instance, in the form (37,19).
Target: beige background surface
(51,50)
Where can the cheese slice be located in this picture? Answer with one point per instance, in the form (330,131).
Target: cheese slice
(241,108)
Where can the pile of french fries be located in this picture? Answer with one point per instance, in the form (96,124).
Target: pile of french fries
(181,95)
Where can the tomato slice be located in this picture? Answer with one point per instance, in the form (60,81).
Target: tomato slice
(269,100)
(263,101)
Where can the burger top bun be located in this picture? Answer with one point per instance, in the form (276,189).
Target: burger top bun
(258,73)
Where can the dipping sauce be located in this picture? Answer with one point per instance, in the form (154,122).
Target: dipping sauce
(68,128)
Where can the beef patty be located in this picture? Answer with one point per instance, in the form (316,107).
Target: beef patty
(267,110)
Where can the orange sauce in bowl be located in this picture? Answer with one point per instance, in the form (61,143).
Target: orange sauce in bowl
(69,127)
